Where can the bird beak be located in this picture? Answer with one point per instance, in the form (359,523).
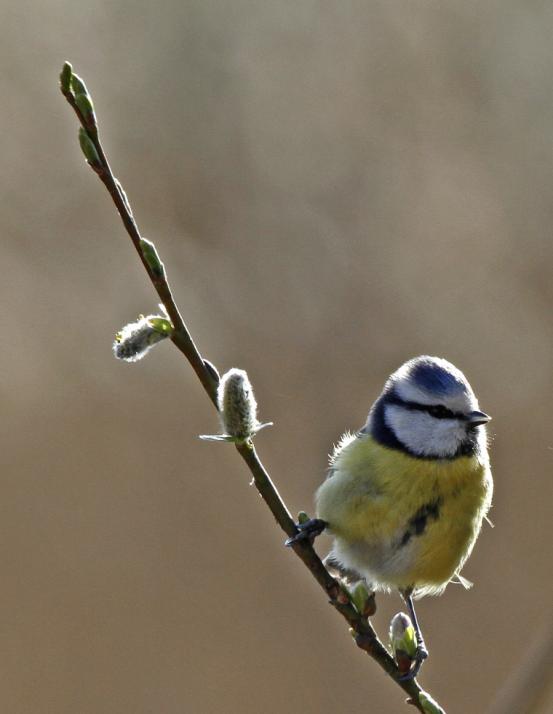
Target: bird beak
(476,418)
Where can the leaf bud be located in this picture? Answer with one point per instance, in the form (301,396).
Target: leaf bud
(403,640)
(363,599)
(84,103)
(212,369)
(77,84)
(65,78)
(152,258)
(88,149)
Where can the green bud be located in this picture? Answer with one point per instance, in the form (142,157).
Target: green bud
(152,258)
(77,85)
(429,704)
(88,149)
(84,103)
(65,78)
(402,636)
(303,517)
(161,325)
(363,599)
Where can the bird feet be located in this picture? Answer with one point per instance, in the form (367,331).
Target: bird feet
(308,530)
(420,655)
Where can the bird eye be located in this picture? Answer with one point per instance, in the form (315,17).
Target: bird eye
(439,411)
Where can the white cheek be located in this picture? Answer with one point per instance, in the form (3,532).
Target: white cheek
(423,434)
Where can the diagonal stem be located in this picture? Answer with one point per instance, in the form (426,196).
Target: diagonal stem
(181,336)
(362,631)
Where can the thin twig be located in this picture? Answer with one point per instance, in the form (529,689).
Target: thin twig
(181,337)
(362,631)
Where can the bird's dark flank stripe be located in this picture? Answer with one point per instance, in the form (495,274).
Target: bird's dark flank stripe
(418,523)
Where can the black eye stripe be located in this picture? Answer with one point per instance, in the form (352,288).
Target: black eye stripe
(438,411)
(384,434)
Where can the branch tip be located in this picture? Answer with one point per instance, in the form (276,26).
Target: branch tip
(77,84)
(65,78)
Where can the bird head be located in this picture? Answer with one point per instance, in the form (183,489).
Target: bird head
(428,409)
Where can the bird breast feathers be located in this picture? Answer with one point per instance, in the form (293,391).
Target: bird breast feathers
(373,491)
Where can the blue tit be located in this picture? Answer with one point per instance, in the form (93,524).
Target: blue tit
(406,495)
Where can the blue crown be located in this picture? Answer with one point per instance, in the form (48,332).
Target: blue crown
(435,377)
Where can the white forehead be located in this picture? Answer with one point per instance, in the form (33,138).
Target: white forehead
(433,380)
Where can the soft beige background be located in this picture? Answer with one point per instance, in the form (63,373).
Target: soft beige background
(334,187)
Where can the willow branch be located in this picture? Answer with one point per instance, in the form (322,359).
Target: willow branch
(361,629)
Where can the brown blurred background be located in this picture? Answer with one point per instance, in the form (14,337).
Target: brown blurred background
(334,188)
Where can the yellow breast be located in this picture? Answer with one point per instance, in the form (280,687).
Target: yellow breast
(373,498)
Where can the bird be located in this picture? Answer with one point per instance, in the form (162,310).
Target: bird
(406,495)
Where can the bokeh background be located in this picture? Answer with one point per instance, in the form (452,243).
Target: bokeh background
(334,188)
